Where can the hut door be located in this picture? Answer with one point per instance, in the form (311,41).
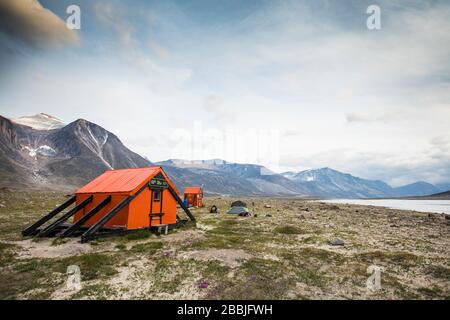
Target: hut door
(155,200)
(156,206)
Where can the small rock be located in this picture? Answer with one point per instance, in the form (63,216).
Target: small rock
(255,215)
(267,206)
(336,242)
(301,217)
(306,209)
(447,217)
(268,215)
(2,205)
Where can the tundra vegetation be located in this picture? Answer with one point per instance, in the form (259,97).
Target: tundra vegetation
(284,252)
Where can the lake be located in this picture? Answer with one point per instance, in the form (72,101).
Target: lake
(438,206)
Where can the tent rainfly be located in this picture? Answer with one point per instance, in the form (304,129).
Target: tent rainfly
(194,196)
(238,210)
(116,202)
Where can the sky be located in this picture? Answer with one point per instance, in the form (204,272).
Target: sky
(291,85)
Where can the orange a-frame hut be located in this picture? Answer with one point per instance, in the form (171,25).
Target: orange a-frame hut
(118,200)
(194,196)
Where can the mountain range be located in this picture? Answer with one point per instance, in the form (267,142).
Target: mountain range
(258,180)
(42,152)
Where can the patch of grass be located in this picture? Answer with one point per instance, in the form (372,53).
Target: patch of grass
(433,292)
(439,272)
(28,266)
(57,241)
(306,262)
(6,254)
(227,227)
(169,273)
(215,269)
(247,240)
(311,239)
(92,266)
(229,222)
(389,281)
(312,277)
(148,248)
(28,275)
(400,258)
(218,242)
(96,291)
(120,246)
(138,235)
(5,246)
(288,230)
(12,284)
(257,279)
(23,208)
(324,256)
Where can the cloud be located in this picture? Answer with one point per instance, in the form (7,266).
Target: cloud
(215,106)
(29,22)
(291,133)
(355,117)
(160,51)
(113,17)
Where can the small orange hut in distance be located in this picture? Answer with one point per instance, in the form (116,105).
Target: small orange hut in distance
(194,196)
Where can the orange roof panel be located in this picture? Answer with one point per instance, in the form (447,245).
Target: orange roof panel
(193,190)
(120,181)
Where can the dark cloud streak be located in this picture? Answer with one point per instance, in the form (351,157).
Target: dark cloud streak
(28,22)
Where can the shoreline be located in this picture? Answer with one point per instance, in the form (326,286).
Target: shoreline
(420,205)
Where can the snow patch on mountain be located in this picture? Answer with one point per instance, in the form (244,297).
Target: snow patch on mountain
(41,121)
(43,150)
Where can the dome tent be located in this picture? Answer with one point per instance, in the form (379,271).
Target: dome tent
(238,210)
(238,203)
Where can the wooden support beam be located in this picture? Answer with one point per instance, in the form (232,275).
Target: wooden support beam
(69,231)
(180,202)
(49,229)
(31,230)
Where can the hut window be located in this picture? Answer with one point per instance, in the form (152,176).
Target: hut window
(156,195)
